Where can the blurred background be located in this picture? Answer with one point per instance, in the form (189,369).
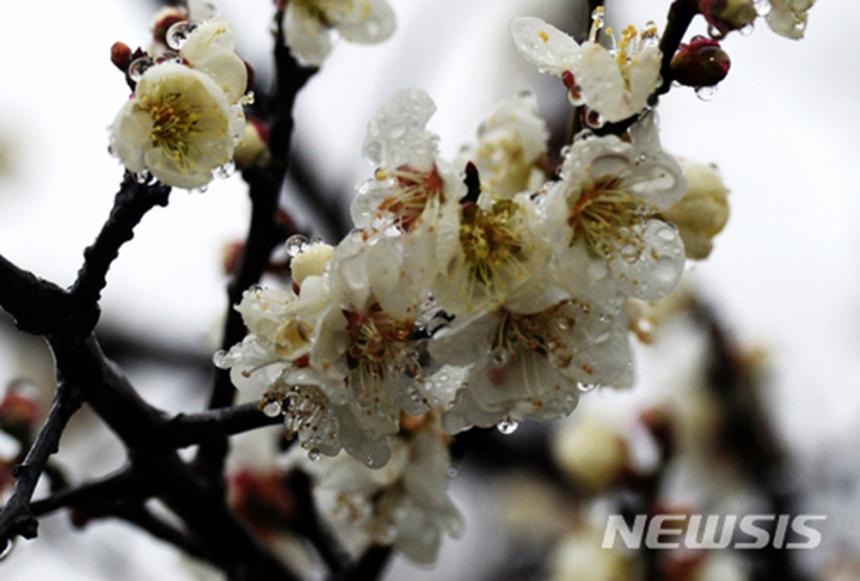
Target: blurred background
(777,304)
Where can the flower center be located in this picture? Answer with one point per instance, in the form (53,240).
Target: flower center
(414,191)
(609,218)
(490,239)
(377,342)
(174,122)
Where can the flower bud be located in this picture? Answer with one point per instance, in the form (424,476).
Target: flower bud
(728,15)
(231,255)
(19,409)
(702,63)
(703,211)
(120,55)
(253,149)
(591,452)
(311,262)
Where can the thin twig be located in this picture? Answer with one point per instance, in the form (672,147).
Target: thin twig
(190,429)
(17,519)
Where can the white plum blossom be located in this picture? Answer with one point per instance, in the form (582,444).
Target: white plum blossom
(185,116)
(308,25)
(532,365)
(603,216)
(405,504)
(179,125)
(614,82)
(788,18)
(512,144)
(591,451)
(703,211)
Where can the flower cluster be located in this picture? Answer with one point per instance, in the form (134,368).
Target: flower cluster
(184,118)
(484,304)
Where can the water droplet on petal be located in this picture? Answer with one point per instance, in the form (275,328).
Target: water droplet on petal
(565,323)
(143,177)
(594,119)
(748,29)
(219,359)
(500,357)
(225,171)
(138,67)
(314,454)
(507,426)
(706,93)
(177,35)
(586,387)
(762,7)
(273,408)
(296,244)
(667,234)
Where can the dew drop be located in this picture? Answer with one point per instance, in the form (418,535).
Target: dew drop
(138,67)
(762,7)
(219,359)
(314,454)
(177,35)
(594,119)
(295,245)
(565,323)
(507,426)
(598,270)
(586,387)
(452,472)
(500,357)
(666,234)
(706,93)
(143,177)
(748,29)
(273,408)
(225,171)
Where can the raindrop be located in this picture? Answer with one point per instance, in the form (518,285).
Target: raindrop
(296,245)
(452,472)
(177,35)
(219,359)
(762,7)
(706,93)
(748,29)
(273,408)
(715,33)
(138,67)
(143,177)
(667,234)
(500,357)
(225,171)
(566,323)
(594,119)
(507,426)
(586,387)
(314,454)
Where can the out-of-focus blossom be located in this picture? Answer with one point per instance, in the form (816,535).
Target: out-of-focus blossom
(580,557)
(309,25)
(788,18)
(591,451)
(253,148)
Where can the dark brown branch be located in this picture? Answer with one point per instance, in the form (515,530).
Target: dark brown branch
(131,203)
(190,429)
(35,305)
(263,234)
(17,519)
(112,486)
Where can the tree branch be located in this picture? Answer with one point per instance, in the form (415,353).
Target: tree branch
(17,519)
(131,203)
(190,429)
(263,234)
(35,305)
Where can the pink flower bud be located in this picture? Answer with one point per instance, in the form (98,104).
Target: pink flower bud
(702,63)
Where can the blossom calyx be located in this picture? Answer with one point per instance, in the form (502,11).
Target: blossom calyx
(701,63)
